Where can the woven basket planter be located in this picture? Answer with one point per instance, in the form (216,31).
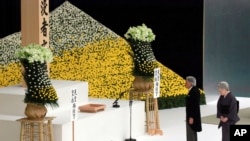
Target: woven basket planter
(142,84)
(35,111)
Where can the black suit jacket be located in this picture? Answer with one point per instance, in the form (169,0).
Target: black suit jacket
(193,108)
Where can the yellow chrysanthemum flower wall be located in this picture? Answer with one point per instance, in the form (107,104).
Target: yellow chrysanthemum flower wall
(106,65)
(10,74)
(108,69)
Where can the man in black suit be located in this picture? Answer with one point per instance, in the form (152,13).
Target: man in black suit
(193,114)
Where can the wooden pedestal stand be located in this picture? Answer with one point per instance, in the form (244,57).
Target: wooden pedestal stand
(152,116)
(36,130)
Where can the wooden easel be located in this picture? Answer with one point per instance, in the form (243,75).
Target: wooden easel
(151,104)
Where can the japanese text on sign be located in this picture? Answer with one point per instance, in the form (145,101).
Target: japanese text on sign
(73,105)
(156,82)
(44,25)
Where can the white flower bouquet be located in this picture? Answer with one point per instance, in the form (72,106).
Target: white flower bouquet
(35,53)
(140,33)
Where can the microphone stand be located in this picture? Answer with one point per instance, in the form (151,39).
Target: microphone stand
(115,103)
(130,116)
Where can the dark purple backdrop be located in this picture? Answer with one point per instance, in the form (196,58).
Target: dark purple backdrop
(178,25)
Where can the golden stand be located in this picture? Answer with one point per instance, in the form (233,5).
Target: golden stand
(152,116)
(36,130)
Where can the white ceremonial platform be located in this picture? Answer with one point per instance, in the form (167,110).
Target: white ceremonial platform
(112,124)
(11,97)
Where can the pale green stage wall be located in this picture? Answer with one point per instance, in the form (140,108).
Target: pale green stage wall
(227,45)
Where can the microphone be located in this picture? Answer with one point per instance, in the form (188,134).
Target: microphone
(115,103)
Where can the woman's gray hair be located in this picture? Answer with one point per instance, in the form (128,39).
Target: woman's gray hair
(192,80)
(223,85)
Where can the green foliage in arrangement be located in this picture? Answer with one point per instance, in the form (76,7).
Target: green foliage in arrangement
(144,59)
(39,87)
(176,101)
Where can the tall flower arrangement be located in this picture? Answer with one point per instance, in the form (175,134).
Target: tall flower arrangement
(40,92)
(140,38)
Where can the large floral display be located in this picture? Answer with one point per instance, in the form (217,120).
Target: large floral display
(86,50)
(39,89)
(140,38)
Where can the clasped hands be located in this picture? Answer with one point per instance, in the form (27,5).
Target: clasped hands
(191,120)
(223,119)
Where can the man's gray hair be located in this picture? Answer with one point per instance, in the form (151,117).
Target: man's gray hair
(192,80)
(223,85)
